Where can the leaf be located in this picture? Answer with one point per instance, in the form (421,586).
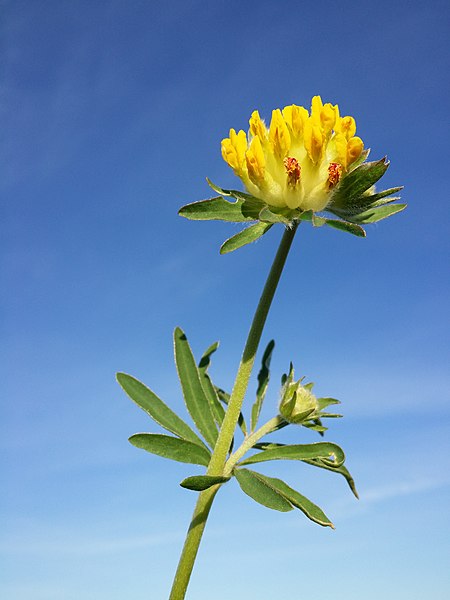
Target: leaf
(225,397)
(171,447)
(198,483)
(340,470)
(308,508)
(372,215)
(346,226)
(155,408)
(219,209)
(208,387)
(330,453)
(244,237)
(205,360)
(263,382)
(259,489)
(357,182)
(196,400)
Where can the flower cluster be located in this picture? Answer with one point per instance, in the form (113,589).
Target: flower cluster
(299,159)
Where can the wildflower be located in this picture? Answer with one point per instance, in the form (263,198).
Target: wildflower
(299,159)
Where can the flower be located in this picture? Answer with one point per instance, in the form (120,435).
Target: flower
(299,160)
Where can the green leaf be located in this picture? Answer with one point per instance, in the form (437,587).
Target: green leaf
(346,226)
(257,487)
(171,447)
(357,182)
(263,382)
(198,483)
(246,236)
(225,398)
(330,453)
(205,360)
(219,209)
(155,408)
(372,215)
(208,387)
(340,470)
(308,508)
(194,395)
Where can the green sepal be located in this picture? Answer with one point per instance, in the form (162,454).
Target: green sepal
(194,395)
(236,194)
(373,215)
(219,209)
(198,483)
(353,185)
(156,409)
(329,453)
(263,382)
(340,470)
(277,215)
(259,488)
(346,226)
(244,237)
(324,402)
(172,448)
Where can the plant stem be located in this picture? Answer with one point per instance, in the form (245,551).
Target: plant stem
(250,441)
(219,456)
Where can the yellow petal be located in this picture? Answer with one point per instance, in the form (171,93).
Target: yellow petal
(313,140)
(255,161)
(296,117)
(257,126)
(279,136)
(354,148)
(340,143)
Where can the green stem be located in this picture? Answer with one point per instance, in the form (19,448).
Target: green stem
(250,441)
(219,456)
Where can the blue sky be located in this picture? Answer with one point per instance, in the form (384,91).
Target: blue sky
(112,115)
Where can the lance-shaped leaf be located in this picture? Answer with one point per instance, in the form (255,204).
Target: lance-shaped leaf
(373,215)
(340,470)
(171,447)
(244,237)
(219,209)
(330,453)
(308,508)
(194,395)
(257,487)
(156,409)
(263,382)
(357,182)
(198,483)
(208,387)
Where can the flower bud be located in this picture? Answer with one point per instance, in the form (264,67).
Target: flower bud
(298,403)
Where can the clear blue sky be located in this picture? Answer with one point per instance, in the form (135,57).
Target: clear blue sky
(112,116)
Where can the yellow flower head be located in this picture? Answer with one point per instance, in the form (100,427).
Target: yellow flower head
(298,159)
